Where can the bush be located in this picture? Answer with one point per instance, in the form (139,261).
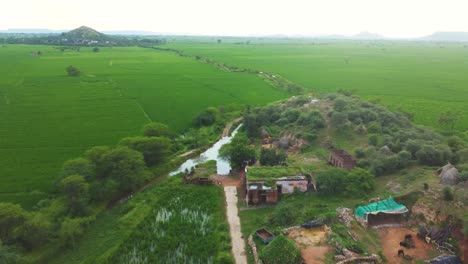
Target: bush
(154,129)
(271,157)
(433,155)
(73,71)
(154,149)
(206,118)
(447,193)
(281,251)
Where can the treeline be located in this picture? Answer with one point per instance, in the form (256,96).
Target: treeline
(101,175)
(107,41)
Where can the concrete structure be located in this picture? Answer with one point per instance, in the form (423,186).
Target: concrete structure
(341,159)
(258,192)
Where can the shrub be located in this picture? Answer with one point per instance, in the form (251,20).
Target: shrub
(447,193)
(281,251)
(271,157)
(73,71)
(154,129)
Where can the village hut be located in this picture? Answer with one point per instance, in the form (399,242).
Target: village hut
(449,174)
(284,142)
(386,150)
(266,138)
(381,213)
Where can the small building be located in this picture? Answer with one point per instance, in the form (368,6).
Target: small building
(262,187)
(290,184)
(258,193)
(341,159)
(385,212)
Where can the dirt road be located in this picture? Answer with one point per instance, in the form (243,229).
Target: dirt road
(237,241)
(227,128)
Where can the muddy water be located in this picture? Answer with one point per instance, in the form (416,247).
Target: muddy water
(222,166)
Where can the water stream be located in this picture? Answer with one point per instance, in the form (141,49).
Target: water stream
(222,166)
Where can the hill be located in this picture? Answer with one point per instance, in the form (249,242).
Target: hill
(84,33)
(367,35)
(447,36)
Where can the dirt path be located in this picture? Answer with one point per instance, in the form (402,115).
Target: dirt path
(228,127)
(237,241)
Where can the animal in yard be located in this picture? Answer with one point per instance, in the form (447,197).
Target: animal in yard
(405,244)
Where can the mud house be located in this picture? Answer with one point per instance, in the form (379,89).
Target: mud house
(268,189)
(341,159)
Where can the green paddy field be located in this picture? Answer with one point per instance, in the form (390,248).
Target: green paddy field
(47,117)
(422,78)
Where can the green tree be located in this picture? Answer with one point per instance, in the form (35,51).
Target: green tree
(80,166)
(73,228)
(76,189)
(449,119)
(73,71)
(154,129)
(332,180)
(96,49)
(281,251)
(8,255)
(12,216)
(340,120)
(35,231)
(125,166)
(359,182)
(434,155)
(154,149)
(251,125)
(206,118)
(271,157)
(339,105)
(96,156)
(238,151)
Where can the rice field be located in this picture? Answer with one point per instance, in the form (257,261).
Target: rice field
(187,225)
(418,77)
(47,117)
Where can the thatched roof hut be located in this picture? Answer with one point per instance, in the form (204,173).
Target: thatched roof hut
(265,133)
(386,150)
(449,174)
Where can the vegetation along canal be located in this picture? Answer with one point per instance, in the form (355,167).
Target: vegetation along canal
(222,166)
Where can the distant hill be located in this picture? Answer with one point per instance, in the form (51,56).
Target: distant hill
(367,35)
(447,36)
(84,33)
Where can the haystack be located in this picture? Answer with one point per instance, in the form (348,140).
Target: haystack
(449,175)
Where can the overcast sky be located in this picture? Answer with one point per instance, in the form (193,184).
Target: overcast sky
(392,18)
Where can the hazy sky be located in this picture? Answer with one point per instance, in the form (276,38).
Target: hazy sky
(392,18)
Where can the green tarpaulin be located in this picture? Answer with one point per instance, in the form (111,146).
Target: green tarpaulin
(388,206)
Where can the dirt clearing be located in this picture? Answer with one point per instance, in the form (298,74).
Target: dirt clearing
(391,237)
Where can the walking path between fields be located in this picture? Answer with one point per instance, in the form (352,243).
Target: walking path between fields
(237,241)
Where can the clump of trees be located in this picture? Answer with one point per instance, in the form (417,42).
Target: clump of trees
(238,152)
(286,117)
(272,157)
(101,175)
(338,181)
